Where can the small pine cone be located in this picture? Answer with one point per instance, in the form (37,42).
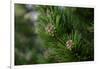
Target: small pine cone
(50,29)
(69,44)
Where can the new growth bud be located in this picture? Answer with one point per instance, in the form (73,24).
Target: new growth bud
(50,29)
(69,44)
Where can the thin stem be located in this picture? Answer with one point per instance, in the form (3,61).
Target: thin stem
(60,40)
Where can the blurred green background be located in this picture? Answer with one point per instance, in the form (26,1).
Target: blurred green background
(34,46)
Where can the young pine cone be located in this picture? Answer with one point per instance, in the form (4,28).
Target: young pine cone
(69,44)
(50,29)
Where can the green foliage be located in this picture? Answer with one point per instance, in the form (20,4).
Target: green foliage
(71,24)
(72,30)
